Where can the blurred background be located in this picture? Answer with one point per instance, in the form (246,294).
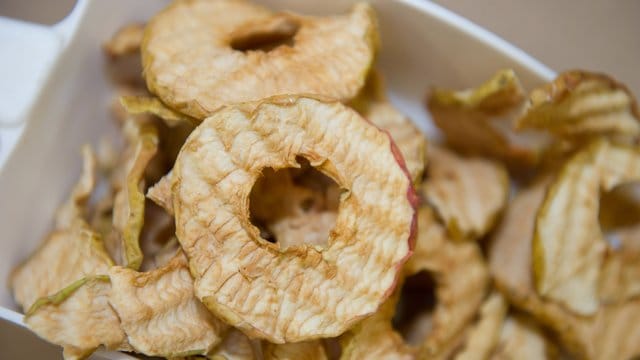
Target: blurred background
(591,34)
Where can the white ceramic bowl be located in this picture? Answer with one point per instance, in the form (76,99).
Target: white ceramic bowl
(55,98)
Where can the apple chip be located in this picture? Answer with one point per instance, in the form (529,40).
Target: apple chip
(125,41)
(253,284)
(522,338)
(78,318)
(64,257)
(234,346)
(140,104)
(568,245)
(128,210)
(375,337)
(159,312)
(579,103)
(477,121)
(76,206)
(306,350)
(461,281)
(467,193)
(374,106)
(311,229)
(483,337)
(610,333)
(160,193)
(620,277)
(248,53)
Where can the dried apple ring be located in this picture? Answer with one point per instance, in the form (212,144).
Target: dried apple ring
(200,55)
(568,245)
(258,287)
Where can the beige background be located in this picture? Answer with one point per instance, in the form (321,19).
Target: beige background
(591,34)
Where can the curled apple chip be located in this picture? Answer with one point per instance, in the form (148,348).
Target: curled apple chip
(159,312)
(253,284)
(375,337)
(234,346)
(610,333)
(483,337)
(248,53)
(78,318)
(477,121)
(128,210)
(522,338)
(467,193)
(160,193)
(140,104)
(75,208)
(579,103)
(620,277)
(125,41)
(374,106)
(568,245)
(306,350)
(461,281)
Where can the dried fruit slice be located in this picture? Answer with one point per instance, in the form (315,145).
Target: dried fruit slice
(234,346)
(251,283)
(373,104)
(306,350)
(611,333)
(159,312)
(375,337)
(522,338)
(78,318)
(568,245)
(468,193)
(125,41)
(64,257)
(483,337)
(140,104)
(160,193)
(620,277)
(471,120)
(74,208)
(200,55)
(579,103)
(311,229)
(128,211)
(461,279)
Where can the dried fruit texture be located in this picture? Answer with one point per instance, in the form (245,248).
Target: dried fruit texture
(159,312)
(234,346)
(620,277)
(461,279)
(373,104)
(78,318)
(128,211)
(470,120)
(483,337)
(252,284)
(160,193)
(611,333)
(141,104)
(125,41)
(64,257)
(582,104)
(311,229)
(467,193)
(375,338)
(306,350)
(521,338)
(70,252)
(75,208)
(568,245)
(328,56)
